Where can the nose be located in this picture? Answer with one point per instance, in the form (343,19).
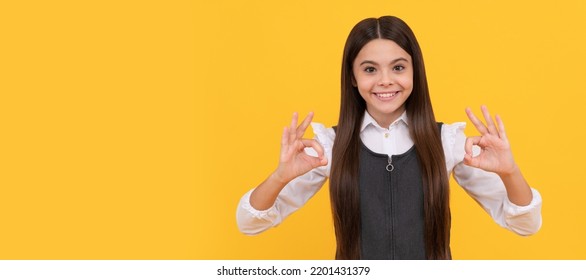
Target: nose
(386,79)
(385,83)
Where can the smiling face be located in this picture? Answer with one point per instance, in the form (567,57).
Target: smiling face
(383,74)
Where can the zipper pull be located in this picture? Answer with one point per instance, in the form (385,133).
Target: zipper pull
(390,166)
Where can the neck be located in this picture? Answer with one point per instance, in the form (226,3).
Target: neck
(385,120)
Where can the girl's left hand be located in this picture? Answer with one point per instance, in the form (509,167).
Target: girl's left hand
(495,155)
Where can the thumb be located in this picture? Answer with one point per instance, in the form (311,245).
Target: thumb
(317,161)
(472,161)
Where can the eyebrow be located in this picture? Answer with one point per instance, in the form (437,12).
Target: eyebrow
(392,62)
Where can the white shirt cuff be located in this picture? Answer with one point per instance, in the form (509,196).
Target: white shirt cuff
(252,221)
(524,220)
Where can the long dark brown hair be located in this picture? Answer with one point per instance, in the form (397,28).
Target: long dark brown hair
(344,193)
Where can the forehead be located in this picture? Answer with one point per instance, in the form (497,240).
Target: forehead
(381,51)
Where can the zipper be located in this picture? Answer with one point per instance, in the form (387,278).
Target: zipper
(390,166)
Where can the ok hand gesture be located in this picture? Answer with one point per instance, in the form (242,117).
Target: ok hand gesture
(293,160)
(495,155)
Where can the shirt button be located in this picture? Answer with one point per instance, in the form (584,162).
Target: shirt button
(386,135)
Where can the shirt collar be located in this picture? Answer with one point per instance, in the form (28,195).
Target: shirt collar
(369,120)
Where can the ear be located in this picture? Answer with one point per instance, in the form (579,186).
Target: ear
(354,82)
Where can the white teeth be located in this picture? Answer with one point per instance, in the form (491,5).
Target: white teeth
(386,95)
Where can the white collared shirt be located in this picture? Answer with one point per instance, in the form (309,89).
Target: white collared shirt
(379,140)
(484,187)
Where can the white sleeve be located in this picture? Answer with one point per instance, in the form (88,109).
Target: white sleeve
(487,188)
(292,197)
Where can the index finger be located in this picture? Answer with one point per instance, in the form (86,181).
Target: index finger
(312,143)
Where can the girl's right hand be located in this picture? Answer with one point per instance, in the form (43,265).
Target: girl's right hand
(294,161)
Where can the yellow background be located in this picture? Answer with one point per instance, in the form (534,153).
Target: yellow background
(130,129)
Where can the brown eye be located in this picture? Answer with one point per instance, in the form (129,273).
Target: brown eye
(399,68)
(369,69)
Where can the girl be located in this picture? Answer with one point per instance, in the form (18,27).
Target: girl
(388,160)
